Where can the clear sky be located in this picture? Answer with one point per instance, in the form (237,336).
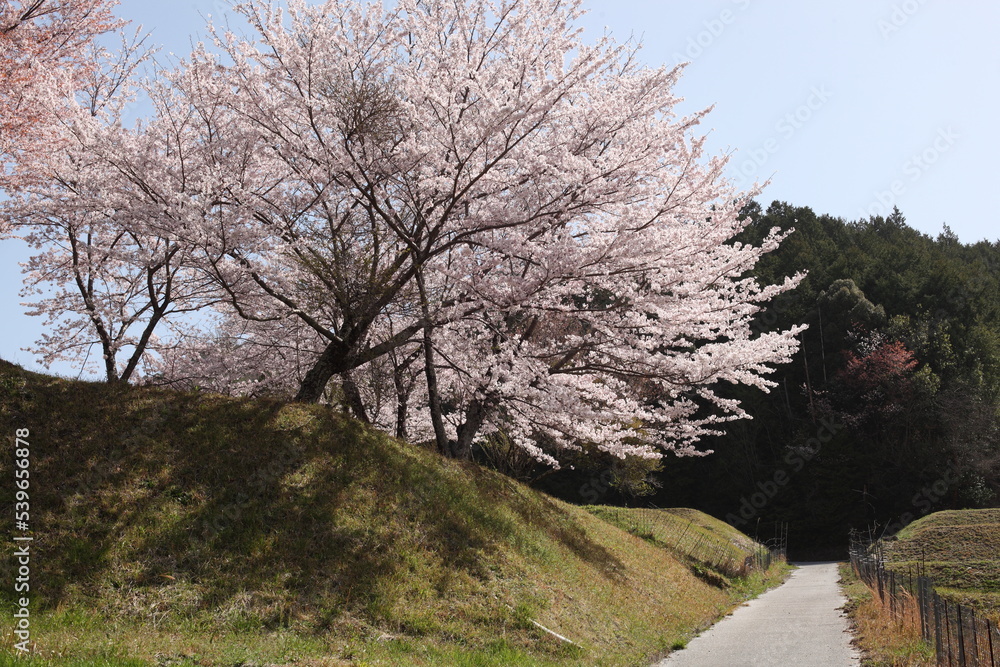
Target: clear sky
(849,107)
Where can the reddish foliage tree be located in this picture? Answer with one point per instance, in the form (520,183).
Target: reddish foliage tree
(47,53)
(879,381)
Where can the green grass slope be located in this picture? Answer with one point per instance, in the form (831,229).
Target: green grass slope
(700,539)
(960,550)
(182,528)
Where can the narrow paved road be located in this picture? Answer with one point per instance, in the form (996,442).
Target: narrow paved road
(797,624)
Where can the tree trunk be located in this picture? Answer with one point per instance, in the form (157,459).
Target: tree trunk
(402,402)
(353,397)
(332,361)
(110,366)
(433,400)
(345,355)
(140,347)
(474,417)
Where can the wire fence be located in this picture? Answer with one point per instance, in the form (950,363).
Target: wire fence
(699,543)
(960,636)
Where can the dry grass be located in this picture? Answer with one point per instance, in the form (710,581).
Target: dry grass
(886,640)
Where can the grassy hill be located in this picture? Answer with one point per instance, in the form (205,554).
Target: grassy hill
(712,547)
(183,528)
(960,550)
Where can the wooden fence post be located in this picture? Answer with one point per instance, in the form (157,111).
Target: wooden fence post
(961,637)
(989,636)
(922,605)
(947,628)
(975,636)
(938,643)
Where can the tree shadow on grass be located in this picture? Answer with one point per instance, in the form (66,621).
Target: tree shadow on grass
(144,494)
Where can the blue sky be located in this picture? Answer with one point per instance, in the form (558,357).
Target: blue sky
(849,107)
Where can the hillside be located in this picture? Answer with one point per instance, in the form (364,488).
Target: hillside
(960,550)
(188,528)
(700,539)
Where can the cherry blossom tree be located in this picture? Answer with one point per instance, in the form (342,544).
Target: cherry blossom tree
(620,348)
(254,357)
(113,287)
(106,213)
(480,174)
(460,217)
(47,54)
(240,357)
(388,138)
